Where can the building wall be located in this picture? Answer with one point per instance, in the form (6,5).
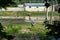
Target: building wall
(13,9)
(37,7)
(27,8)
(34,8)
(40,8)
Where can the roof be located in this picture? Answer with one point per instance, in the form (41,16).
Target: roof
(34,4)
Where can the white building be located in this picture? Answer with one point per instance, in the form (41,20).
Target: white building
(29,7)
(37,7)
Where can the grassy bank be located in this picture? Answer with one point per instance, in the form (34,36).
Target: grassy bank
(11,13)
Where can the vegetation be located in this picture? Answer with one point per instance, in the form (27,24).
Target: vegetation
(9,13)
(37,27)
(12,29)
(59,1)
(54,29)
(3,34)
(26,31)
(5,3)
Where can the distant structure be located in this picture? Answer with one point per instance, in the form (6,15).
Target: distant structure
(36,7)
(31,5)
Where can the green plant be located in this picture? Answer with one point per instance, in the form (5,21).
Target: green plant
(12,13)
(11,29)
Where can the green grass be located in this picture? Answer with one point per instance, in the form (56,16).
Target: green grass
(11,13)
(13,29)
(38,30)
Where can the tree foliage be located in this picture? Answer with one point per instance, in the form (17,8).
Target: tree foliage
(58,1)
(55,29)
(4,34)
(5,3)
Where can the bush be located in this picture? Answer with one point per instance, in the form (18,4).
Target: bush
(36,32)
(11,29)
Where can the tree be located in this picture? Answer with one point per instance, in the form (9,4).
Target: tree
(55,28)
(58,1)
(5,3)
(17,1)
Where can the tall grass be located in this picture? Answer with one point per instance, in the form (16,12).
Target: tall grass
(37,32)
(11,13)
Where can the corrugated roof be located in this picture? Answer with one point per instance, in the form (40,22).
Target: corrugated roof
(34,4)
